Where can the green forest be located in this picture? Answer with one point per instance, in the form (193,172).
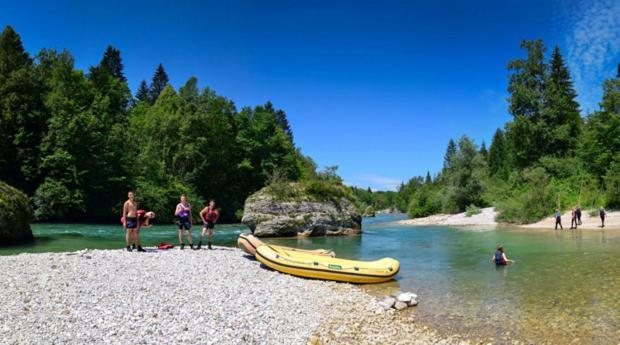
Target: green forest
(547,156)
(75,142)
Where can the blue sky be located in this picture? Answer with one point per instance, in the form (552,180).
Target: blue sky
(375,87)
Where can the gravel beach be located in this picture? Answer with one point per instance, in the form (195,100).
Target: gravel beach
(220,296)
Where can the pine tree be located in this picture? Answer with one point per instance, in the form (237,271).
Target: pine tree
(284,124)
(113,63)
(428,178)
(158,84)
(497,154)
(22,115)
(143,92)
(483,150)
(561,122)
(526,134)
(450,152)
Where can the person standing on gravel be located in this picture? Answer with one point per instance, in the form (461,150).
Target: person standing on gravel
(130,223)
(209,216)
(184,214)
(578,215)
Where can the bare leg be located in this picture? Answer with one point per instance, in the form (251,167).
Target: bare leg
(128,237)
(210,235)
(180,236)
(204,233)
(136,237)
(189,237)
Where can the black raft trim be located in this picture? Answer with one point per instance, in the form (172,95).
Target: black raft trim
(329,271)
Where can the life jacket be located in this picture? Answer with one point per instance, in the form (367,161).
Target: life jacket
(184,213)
(211,216)
(499,258)
(165,246)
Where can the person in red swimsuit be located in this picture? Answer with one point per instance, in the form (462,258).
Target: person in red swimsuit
(209,216)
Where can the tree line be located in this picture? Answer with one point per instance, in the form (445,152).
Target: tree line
(75,142)
(547,156)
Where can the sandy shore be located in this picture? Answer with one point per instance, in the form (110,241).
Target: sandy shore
(187,297)
(486,218)
(612,221)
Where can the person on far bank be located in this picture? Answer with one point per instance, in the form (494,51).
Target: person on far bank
(209,216)
(602,214)
(578,210)
(558,219)
(183,213)
(130,223)
(573,219)
(500,258)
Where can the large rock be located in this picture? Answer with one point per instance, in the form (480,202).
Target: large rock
(300,213)
(15,216)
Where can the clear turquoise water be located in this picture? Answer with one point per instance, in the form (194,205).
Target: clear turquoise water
(564,287)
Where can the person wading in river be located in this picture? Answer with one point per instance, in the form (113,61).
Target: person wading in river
(130,223)
(209,216)
(558,219)
(499,257)
(184,221)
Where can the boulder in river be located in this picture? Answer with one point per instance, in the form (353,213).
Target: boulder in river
(314,208)
(15,216)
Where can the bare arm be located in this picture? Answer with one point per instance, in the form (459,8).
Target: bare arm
(202,214)
(125,216)
(508,260)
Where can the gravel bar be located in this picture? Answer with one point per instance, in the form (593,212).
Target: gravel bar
(219,296)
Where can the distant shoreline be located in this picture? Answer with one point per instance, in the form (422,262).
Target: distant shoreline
(487,218)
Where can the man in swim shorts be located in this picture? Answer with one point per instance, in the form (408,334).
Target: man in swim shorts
(131,224)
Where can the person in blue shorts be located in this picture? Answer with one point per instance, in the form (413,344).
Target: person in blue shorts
(183,213)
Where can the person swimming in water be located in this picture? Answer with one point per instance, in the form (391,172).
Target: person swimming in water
(209,216)
(500,258)
(184,215)
(130,223)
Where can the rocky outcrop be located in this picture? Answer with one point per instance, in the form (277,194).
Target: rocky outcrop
(15,216)
(268,216)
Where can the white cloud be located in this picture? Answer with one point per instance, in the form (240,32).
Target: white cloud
(593,43)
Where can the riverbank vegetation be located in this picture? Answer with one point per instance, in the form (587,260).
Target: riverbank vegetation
(76,141)
(547,156)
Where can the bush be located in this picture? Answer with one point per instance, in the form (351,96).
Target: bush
(425,202)
(472,210)
(534,197)
(54,201)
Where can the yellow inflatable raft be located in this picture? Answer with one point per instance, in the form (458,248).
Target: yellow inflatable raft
(249,243)
(327,268)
